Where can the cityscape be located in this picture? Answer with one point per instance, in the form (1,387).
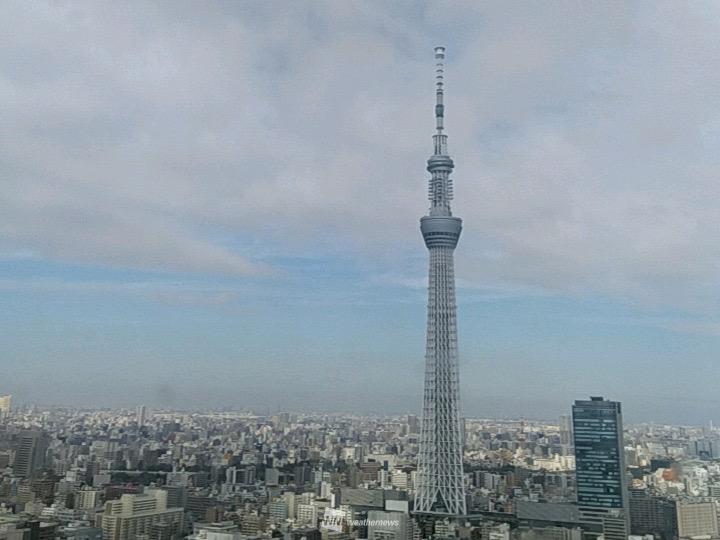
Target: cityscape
(249,436)
(71,473)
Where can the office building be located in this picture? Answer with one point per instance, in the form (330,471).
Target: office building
(30,451)
(566,434)
(389,526)
(652,514)
(141,415)
(600,467)
(5,406)
(697,517)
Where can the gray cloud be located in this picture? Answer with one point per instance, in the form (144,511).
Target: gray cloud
(164,136)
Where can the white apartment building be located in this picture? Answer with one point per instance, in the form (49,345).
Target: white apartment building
(135,515)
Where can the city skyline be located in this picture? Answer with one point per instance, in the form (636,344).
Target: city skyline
(192,211)
(167,475)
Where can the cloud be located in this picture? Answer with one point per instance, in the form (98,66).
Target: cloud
(702,328)
(167,137)
(193,298)
(186,292)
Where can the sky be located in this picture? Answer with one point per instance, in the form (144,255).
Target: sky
(216,204)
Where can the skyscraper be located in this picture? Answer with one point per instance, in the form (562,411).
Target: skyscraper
(141,415)
(440,488)
(30,451)
(5,406)
(565,423)
(602,494)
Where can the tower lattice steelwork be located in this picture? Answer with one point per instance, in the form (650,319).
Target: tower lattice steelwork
(440,488)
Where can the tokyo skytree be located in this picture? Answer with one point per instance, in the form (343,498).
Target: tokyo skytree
(440,488)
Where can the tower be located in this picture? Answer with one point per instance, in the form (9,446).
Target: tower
(440,485)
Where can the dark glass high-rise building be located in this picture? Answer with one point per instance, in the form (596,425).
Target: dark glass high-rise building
(30,451)
(652,514)
(602,495)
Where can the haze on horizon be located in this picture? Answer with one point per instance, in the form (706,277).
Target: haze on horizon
(219,206)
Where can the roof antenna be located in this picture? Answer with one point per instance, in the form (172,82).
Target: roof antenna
(439,80)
